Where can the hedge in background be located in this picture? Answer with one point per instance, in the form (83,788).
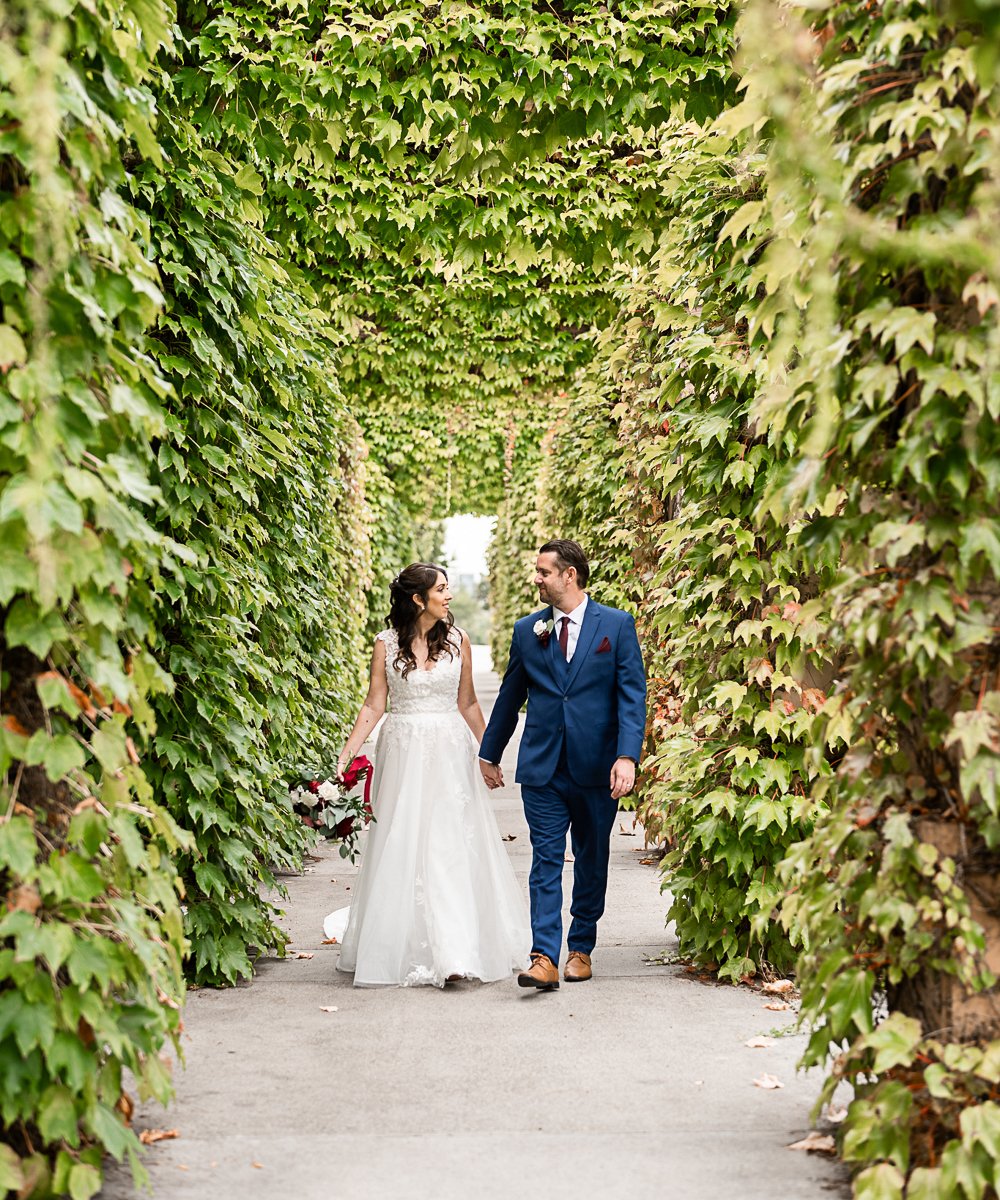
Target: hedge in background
(260,468)
(811,372)
(518,534)
(181,518)
(882,277)
(91,937)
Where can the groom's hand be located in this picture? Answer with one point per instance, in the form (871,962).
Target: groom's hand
(492,774)
(622,778)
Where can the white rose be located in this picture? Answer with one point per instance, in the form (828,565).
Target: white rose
(538,628)
(328,790)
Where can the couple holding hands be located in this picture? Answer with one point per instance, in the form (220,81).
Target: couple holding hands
(436,899)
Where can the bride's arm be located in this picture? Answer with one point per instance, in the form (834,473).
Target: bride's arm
(468,703)
(371,711)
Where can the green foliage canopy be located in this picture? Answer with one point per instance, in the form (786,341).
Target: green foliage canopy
(227,236)
(458,182)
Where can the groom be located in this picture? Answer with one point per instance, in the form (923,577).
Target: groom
(579,666)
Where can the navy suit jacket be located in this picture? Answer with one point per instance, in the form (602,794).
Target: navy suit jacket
(596,704)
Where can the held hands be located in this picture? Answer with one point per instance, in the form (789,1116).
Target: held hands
(622,778)
(491,774)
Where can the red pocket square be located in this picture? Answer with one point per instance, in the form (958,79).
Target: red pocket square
(604,647)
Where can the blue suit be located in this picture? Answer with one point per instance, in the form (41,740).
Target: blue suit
(582,715)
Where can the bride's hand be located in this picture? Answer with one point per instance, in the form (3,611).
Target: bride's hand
(341,767)
(492,775)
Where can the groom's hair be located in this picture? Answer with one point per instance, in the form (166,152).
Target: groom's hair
(569,554)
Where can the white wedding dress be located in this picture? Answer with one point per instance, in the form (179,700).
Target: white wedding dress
(436,894)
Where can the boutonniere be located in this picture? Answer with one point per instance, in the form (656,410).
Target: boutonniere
(543,630)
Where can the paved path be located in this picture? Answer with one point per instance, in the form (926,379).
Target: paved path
(635,1085)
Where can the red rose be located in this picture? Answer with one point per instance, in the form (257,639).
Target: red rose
(358,769)
(344,828)
(313,786)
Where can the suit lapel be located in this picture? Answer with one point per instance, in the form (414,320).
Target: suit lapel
(591,623)
(549,652)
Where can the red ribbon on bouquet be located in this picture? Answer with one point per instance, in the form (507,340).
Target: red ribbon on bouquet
(361,768)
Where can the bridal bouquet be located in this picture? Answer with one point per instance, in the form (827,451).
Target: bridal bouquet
(335,809)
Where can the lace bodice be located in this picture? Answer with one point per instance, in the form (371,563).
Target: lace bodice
(423,691)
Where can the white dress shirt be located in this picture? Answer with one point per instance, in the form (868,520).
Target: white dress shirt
(575,625)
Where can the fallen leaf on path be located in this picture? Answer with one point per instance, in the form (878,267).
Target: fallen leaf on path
(759,1043)
(302,954)
(649,862)
(816,1143)
(257,1166)
(779,987)
(625,832)
(509,837)
(149,1136)
(328,1008)
(126,1107)
(778,1005)
(329,942)
(768,1082)
(836,1113)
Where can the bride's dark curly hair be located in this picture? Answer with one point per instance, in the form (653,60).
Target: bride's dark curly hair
(417,580)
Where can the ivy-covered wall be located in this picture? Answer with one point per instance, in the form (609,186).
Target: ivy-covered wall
(807,379)
(277,284)
(182,520)
(282,288)
(92,938)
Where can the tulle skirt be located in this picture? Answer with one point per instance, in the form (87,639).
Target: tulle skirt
(436,894)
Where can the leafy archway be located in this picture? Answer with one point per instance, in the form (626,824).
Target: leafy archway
(279,285)
(458,184)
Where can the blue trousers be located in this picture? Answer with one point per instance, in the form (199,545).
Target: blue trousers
(589,815)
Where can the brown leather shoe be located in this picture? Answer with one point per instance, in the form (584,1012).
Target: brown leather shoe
(577,967)
(542,974)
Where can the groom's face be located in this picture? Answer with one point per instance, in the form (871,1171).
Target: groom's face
(552,583)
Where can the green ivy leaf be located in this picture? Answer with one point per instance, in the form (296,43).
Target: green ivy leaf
(84,1181)
(11,1173)
(57,1117)
(26,626)
(881,1182)
(18,847)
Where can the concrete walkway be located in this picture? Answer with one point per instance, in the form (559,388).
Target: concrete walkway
(638,1084)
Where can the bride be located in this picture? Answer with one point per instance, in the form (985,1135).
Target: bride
(436,898)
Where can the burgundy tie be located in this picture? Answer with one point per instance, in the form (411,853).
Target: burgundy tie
(564,638)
